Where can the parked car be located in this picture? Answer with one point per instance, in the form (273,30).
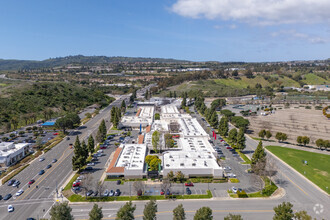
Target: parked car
(80,177)
(67,138)
(100,151)
(162,192)
(103,147)
(54,160)
(41,159)
(1,197)
(10,208)
(117,192)
(48,166)
(89,168)
(91,164)
(16,183)
(227,168)
(31,182)
(188,191)
(56,133)
(231,175)
(75,184)
(118,182)
(189,184)
(19,192)
(95,193)
(89,193)
(106,193)
(8,196)
(229,148)
(112,193)
(234,189)
(41,172)
(11,182)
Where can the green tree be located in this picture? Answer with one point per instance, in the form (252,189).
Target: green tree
(233,217)
(184,102)
(157,116)
(283,211)
(268,134)
(123,106)
(102,132)
(299,140)
(262,133)
(204,213)
(258,160)
(170,175)
(223,126)
(150,209)
(61,211)
(319,143)
(155,141)
(302,215)
(179,176)
(96,213)
(214,121)
(178,213)
(240,139)
(126,212)
(84,150)
(305,140)
(174,95)
(281,136)
(232,135)
(78,159)
(154,164)
(91,144)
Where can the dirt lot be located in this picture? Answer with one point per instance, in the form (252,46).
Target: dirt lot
(294,122)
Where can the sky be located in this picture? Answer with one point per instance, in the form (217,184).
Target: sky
(196,30)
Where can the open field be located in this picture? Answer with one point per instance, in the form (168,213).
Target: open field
(318,165)
(294,122)
(312,79)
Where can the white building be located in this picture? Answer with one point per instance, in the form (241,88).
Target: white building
(128,161)
(143,117)
(11,153)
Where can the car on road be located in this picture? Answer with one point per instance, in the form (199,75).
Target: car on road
(19,192)
(89,193)
(67,138)
(189,184)
(11,182)
(117,193)
(16,183)
(48,166)
(30,219)
(10,208)
(1,197)
(112,193)
(234,189)
(188,191)
(31,182)
(41,159)
(106,193)
(41,172)
(54,160)
(91,164)
(8,196)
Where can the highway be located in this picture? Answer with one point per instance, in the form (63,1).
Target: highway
(35,202)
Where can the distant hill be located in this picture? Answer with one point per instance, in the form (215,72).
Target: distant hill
(79,59)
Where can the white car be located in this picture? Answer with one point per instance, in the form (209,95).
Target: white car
(19,192)
(234,190)
(91,164)
(41,159)
(231,175)
(80,177)
(10,208)
(227,168)
(100,151)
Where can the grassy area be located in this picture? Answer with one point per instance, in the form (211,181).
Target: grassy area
(207,180)
(79,198)
(243,82)
(313,79)
(244,157)
(317,169)
(234,180)
(69,185)
(268,190)
(14,173)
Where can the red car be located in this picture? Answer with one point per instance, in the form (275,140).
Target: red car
(189,184)
(31,182)
(162,192)
(76,184)
(229,148)
(103,147)
(221,140)
(56,133)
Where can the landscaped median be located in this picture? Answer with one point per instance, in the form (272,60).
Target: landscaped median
(267,191)
(79,198)
(314,166)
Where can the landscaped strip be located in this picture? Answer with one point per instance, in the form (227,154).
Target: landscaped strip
(314,166)
(79,198)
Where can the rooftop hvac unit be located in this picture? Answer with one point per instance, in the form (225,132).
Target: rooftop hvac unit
(182,164)
(193,164)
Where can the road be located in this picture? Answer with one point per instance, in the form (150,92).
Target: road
(35,202)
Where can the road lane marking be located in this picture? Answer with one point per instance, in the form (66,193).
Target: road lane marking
(41,178)
(294,183)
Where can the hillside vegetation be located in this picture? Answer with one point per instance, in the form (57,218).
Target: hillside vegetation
(26,104)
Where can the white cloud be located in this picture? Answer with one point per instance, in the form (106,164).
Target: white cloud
(264,12)
(294,35)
